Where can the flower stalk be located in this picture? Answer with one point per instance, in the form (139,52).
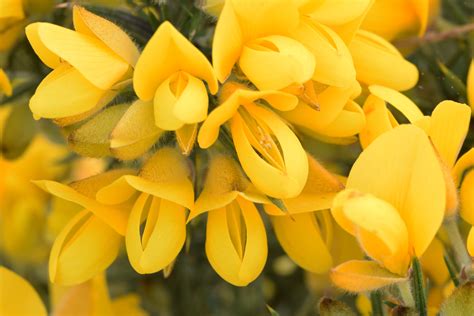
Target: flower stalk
(418,287)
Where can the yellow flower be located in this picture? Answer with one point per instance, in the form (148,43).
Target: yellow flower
(90,66)
(170,71)
(447,128)
(374,58)
(11,23)
(22,204)
(163,191)
(257,35)
(303,233)
(470,85)
(394,204)
(17,296)
(5,84)
(337,116)
(464,178)
(395,18)
(92,298)
(94,234)
(236,242)
(276,170)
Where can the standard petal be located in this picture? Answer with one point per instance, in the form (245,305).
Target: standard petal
(225,52)
(64,92)
(399,101)
(278,183)
(363,276)
(339,12)
(402,168)
(334,65)
(174,52)
(276,62)
(92,58)
(448,129)
(300,237)
(374,58)
(107,32)
(85,247)
(237,261)
(17,296)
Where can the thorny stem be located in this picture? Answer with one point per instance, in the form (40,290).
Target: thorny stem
(376,300)
(418,287)
(405,293)
(460,252)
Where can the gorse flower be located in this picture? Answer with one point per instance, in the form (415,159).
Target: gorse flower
(88,71)
(393,204)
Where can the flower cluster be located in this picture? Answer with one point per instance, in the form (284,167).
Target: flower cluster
(229,138)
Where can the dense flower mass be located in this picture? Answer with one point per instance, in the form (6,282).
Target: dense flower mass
(299,115)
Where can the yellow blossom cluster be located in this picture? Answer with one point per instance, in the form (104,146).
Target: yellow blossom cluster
(222,136)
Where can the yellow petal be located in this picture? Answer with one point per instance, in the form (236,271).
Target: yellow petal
(463,165)
(85,247)
(379,229)
(95,61)
(300,237)
(449,127)
(172,111)
(362,276)
(466,196)
(210,128)
(275,62)
(107,32)
(331,102)
(64,92)
(349,122)
(374,58)
(5,85)
(17,296)
(163,237)
(334,65)
(318,193)
(225,52)
(337,12)
(399,101)
(470,242)
(470,85)
(136,131)
(422,10)
(402,168)
(433,263)
(83,193)
(237,263)
(224,181)
(268,179)
(11,9)
(378,120)
(391,18)
(348,30)
(128,305)
(167,52)
(155,178)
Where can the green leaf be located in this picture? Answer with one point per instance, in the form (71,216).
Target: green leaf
(272,311)
(19,130)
